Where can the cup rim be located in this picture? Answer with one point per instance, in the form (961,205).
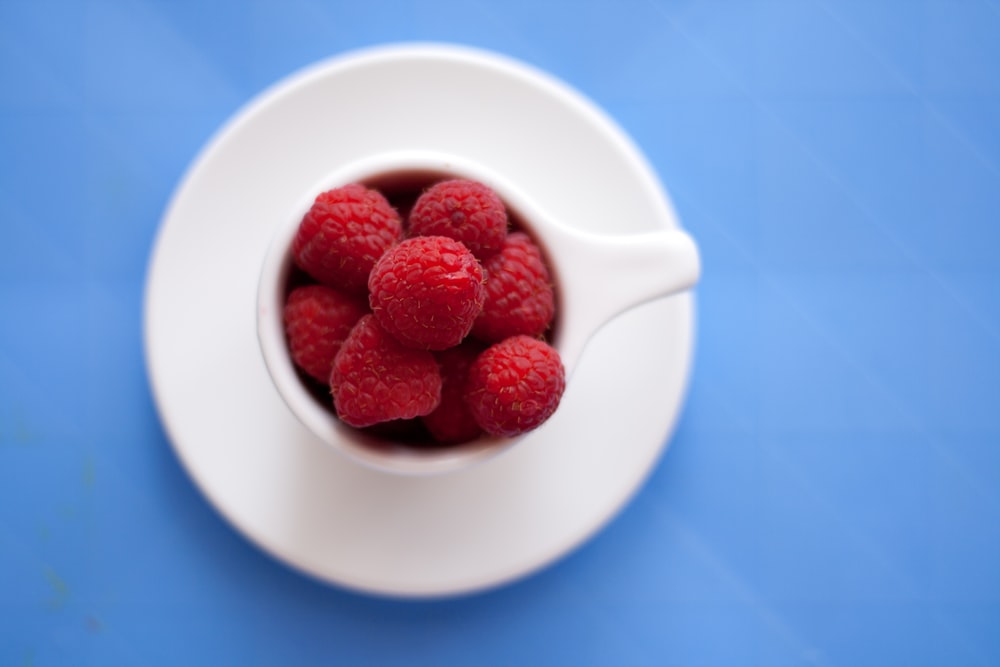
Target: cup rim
(373,452)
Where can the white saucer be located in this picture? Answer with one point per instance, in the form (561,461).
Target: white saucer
(265,472)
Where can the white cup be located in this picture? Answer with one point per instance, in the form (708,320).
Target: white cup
(597,277)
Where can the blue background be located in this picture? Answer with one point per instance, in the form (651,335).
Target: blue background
(832,495)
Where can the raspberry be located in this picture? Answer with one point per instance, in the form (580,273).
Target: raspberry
(427,291)
(515,385)
(343,234)
(317,320)
(463,210)
(519,296)
(375,379)
(452,422)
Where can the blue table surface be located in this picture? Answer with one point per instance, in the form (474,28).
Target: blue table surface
(832,493)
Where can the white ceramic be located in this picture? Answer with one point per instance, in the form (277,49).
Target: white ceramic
(598,277)
(271,476)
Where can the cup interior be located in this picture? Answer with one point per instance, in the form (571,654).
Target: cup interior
(401,176)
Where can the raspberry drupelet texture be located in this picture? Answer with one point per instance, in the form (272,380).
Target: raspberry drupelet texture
(515,385)
(463,210)
(452,422)
(343,234)
(427,292)
(375,379)
(519,295)
(317,320)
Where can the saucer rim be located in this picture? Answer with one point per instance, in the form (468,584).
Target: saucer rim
(329,68)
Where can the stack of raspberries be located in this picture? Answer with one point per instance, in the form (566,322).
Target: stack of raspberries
(438,320)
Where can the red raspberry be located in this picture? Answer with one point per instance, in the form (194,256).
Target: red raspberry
(344,233)
(427,291)
(515,385)
(317,320)
(519,296)
(375,379)
(463,210)
(452,422)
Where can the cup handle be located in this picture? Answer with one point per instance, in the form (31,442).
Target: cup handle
(609,275)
